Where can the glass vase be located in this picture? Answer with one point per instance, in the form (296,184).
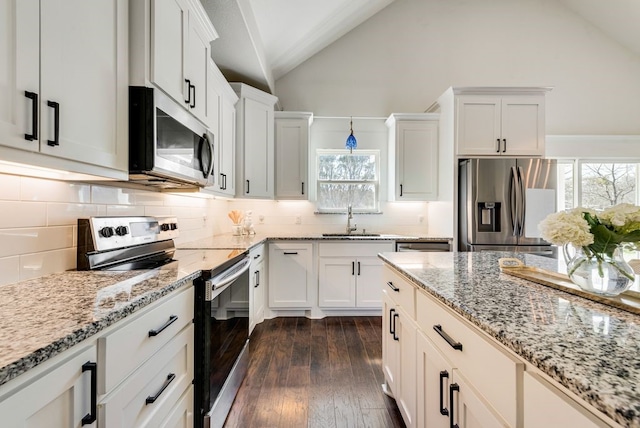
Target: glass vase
(599,273)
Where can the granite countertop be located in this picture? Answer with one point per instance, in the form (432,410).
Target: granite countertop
(591,349)
(45,316)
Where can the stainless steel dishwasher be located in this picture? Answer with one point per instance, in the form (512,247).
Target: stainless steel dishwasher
(424,246)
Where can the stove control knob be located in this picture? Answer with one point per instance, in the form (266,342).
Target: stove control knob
(121,230)
(164,227)
(174,226)
(106,232)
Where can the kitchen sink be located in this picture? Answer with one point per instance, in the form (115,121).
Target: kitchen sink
(350,234)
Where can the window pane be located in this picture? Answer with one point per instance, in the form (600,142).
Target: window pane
(347,167)
(565,186)
(607,184)
(337,196)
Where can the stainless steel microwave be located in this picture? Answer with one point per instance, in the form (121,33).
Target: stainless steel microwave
(168,147)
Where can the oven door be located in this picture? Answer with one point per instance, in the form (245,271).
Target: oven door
(221,342)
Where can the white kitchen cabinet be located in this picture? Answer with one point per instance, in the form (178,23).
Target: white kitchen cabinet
(258,285)
(254,142)
(292,154)
(467,407)
(349,274)
(291,275)
(413,157)
(547,406)
(181,33)
(492,122)
(60,396)
(63,85)
(433,377)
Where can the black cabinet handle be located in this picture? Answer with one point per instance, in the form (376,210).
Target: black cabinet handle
(223,181)
(56,123)
(257,256)
(443,375)
(391,312)
(248,184)
(449,339)
(395,317)
(90,417)
(498,145)
(353,268)
(393,287)
(193,101)
(151,399)
(171,320)
(401,190)
(34,116)
(292,253)
(257,274)
(453,387)
(188,100)
(358,268)
(504,148)
(303,187)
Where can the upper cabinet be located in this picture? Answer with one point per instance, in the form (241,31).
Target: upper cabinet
(493,121)
(63,85)
(254,142)
(413,157)
(171,49)
(292,153)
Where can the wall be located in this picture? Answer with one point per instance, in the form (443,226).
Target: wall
(38,220)
(404,57)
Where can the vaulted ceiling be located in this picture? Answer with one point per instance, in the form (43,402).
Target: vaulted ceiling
(262,40)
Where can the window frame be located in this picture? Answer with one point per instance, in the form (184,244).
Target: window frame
(339,152)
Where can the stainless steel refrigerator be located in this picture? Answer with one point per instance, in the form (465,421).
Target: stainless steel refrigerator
(501,202)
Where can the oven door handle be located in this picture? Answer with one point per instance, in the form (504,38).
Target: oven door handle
(245,264)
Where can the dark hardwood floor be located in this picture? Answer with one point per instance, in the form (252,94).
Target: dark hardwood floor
(315,373)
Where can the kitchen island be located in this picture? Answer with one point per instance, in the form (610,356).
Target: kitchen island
(586,349)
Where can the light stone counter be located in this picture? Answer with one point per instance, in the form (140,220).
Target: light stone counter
(591,349)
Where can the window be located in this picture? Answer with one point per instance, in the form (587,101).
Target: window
(345,178)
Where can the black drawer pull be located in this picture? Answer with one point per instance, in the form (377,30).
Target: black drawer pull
(248,186)
(453,387)
(188,100)
(353,268)
(171,320)
(395,317)
(56,123)
(504,149)
(291,253)
(498,141)
(449,339)
(151,399)
(303,187)
(443,375)
(90,417)
(391,311)
(34,116)
(358,268)
(393,287)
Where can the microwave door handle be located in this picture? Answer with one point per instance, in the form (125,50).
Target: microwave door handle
(204,142)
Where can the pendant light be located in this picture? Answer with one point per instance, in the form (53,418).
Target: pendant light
(351,140)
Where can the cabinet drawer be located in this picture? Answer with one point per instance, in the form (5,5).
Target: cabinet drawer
(400,290)
(494,373)
(336,249)
(129,346)
(150,393)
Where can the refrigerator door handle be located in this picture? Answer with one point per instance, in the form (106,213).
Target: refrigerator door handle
(523,200)
(513,200)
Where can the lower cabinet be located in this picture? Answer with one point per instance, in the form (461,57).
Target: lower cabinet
(291,275)
(257,286)
(60,396)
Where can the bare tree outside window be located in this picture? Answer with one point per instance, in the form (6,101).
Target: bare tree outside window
(608,184)
(347,179)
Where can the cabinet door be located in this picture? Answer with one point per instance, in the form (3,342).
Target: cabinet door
(59,398)
(546,406)
(213,104)
(406,331)
(290,276)
(196,65)
(258,149)
(416,161)
(227,151)
(337,282)
(181,415)
(258,287)
(19,72)
(390,346)
(169,31)
(433,376)
(368,273)
(478,125)
(468,408)
(292,141)
(83,69)
(523,126)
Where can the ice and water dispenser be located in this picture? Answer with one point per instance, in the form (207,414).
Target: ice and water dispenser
(488,217)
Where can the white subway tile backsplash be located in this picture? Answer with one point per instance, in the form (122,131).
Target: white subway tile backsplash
(32,240)
(68,214)
(155,210)
(39,264)
(112,195)
(10,270)
(123,210)
(37,189)
(22,214)
(9,187)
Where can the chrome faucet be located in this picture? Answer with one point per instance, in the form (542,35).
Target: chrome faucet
(349,218)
